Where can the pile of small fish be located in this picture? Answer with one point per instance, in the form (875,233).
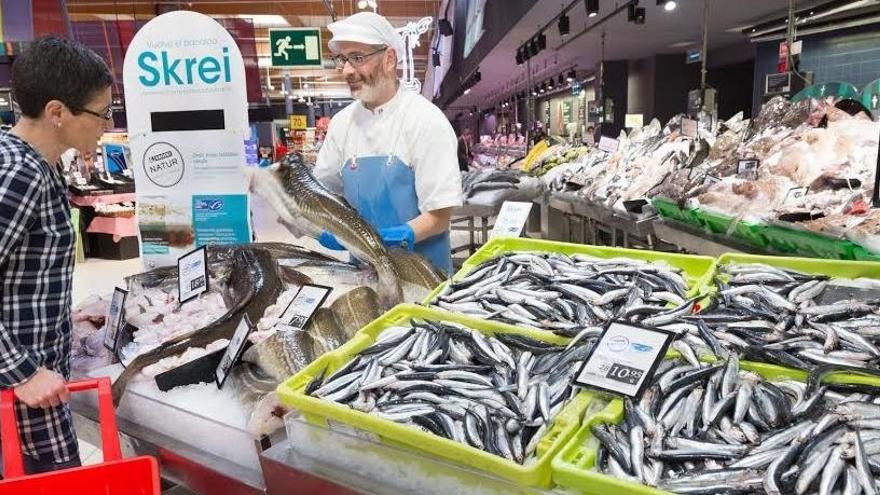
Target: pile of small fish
(717,429)
(496,393)
(793,319)
(568,294)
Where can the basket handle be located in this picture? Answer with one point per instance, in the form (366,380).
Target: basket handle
(13,467)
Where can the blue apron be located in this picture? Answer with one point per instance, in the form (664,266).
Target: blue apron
(383,190)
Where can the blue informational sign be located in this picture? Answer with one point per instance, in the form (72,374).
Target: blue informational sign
(221,219)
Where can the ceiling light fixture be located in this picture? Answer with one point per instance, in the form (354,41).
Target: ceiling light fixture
(668,5)
(571,75)
(467,91)
(445,27)
(635,15)
(592,7)
(561,80)
(435,59)
(563,25)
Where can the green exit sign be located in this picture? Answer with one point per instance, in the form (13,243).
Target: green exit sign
(295,47)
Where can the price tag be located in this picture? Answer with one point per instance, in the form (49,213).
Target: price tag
(608,144)
(624,359)
(711,179)
(233,351)
(115,319)
(795,194)
(748,169)
(689,127)
(304,304)
(511,219)
(192,274)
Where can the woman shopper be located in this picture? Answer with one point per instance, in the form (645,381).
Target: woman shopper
(63,92)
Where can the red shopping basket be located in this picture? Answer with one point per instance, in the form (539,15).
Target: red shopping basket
(115,476)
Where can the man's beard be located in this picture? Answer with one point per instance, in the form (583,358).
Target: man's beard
(372,87)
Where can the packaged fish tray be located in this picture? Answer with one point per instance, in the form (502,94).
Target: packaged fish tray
(791,240)
(670,209)
(575,467)
(381,424)
(695,268)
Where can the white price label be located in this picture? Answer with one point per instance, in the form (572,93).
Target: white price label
(710,180)
(115,319)
(233,350)
(608,144)
(304,304)
(192,274)
(689,127)
(748,169)
(624,359)
(795,194)
(511,219)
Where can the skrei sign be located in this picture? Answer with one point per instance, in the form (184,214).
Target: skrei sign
(159,68)
(187,121)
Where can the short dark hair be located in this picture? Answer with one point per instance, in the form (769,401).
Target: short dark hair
(54,68)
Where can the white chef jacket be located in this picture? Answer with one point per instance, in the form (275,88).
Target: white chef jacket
(409,127)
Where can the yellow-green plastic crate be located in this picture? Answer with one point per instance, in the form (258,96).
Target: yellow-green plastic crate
(323,412)
(833,268)
(574,467)
(696,269)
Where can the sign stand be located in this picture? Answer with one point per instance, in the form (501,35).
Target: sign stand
(187,123)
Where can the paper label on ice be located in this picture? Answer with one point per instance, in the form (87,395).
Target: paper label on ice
(748,169)
(795,194)
(511,219)
(689,127)
(624,359)
(608,144)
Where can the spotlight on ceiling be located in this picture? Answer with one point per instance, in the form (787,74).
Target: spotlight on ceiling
(519,56)
(542,42)
(533,47)
(571,76)
(592,7)
(435,59)
(635,15)
(561,80)
(467,91)
(445,27)
(668,5)
(563,25)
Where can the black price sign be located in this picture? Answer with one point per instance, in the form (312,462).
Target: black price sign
(233,350)
(115,319)
(624,374)
(304,304)
(192,274)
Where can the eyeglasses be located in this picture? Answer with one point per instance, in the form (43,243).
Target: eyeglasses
(354,60)
(107,115)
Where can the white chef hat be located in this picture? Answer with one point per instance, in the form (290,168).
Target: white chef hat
(366,27)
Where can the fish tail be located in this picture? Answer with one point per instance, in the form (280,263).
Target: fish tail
(390,292)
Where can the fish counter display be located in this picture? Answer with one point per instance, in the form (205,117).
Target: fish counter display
(807,166)
(710,421)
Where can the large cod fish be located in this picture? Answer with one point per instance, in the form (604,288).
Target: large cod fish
(307,208)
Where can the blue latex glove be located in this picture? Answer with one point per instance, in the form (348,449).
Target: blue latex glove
(399,236)
(329,241)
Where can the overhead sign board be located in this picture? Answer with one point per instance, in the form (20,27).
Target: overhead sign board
(299,122)
(187,124)
(295,47)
